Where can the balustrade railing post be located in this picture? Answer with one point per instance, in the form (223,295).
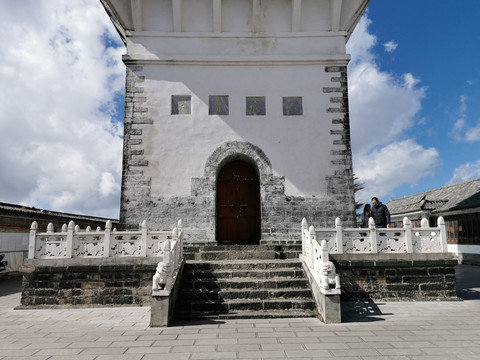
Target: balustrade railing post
(443,233)
(70,230)
(339,235)
(180,237)
(143,243)
(166,254)
(373,235)
(177,253)
(31,241)
(324,251)
(107,239)
(304,229)
(407,226)
(312,237)
(424,223)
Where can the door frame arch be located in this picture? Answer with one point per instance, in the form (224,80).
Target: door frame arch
(271,186)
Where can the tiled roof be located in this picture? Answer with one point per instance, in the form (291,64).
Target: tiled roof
(460,196)
(13,208)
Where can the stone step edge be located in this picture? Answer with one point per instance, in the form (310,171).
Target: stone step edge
(271,292)
(246,280)
(245,261)
(240,271)
(248,301)
(271,314)
(263,248)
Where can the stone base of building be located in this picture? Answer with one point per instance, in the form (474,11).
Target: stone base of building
(87,282)
(393,277)
(128,281)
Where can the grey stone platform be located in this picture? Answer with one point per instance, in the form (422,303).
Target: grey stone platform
(447,330)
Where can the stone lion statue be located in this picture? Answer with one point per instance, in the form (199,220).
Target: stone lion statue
(329,278)
(161,276)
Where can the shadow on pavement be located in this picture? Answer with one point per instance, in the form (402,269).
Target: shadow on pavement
(195,322)
(362,311)
(468,282)
(10,286)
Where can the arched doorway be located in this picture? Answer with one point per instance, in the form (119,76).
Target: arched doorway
(238,204)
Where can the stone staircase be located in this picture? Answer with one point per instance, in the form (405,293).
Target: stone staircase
(225,282)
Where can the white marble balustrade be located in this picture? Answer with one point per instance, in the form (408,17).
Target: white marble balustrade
(340,240)
(72,242)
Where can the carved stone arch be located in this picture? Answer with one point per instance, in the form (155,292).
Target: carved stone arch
(203,190)
(238,150)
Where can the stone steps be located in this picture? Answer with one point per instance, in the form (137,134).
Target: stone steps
(243,282)
(237,252)
(250,294)
(245,315)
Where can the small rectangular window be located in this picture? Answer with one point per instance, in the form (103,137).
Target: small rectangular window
(292,105)
(181,104)
(255,105)
(218,105)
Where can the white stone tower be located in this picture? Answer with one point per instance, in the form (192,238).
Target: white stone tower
(236,115)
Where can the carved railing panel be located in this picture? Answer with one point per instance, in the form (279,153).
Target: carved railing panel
(72,242)
(88,245)
(329,237)
(391,241)
(155,242)
(426,240)
(375,240)
(51,246)
(126,244)
(356,241)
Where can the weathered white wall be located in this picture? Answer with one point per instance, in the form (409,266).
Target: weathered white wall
(239,48)
(15,248)
(178,146)
(197,15)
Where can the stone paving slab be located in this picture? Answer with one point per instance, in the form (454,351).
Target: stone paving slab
(382,330)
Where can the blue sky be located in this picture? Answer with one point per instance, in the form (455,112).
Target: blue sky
(436,44)
(414,83)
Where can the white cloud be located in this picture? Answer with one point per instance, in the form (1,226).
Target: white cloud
(361,42)
(108,185)
(383,108)
(386,168)
(473,134)
(466,172)
(410,82)
(463,104)
(390,46)
(457,130)
(461,131)
(58,135)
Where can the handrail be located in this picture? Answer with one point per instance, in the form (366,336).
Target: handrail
(407,239)
(71,242)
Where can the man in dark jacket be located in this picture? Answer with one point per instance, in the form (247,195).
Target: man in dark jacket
(380,214)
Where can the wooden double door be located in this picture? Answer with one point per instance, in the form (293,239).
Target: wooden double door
(238,204)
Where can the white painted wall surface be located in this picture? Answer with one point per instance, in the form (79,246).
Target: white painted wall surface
(463,249)
(15,248)
(274,62)
(237,47)
(181,144)
(237,15)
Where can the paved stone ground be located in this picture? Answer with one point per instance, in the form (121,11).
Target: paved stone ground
(393,330)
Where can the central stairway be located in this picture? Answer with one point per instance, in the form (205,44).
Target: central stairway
(234,282)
